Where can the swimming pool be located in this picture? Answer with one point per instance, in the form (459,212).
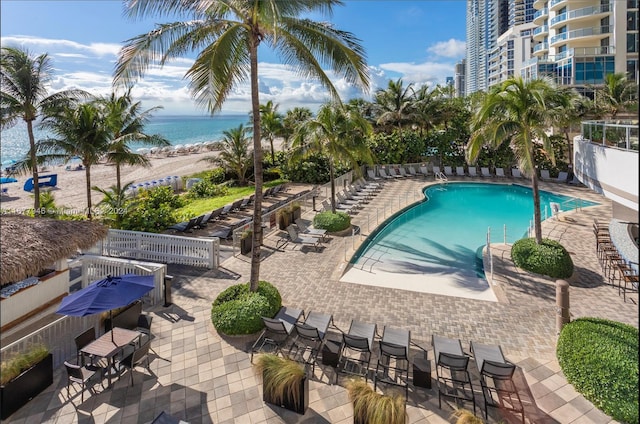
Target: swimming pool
(443,236)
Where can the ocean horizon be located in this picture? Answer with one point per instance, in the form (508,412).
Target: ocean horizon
(178,129)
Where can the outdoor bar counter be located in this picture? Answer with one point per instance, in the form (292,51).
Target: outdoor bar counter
(623,241)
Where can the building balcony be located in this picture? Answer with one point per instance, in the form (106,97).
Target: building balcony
(540,32)
(557,4)
(540,16)
(595,33)
(584,14)
(539,4)
(540,49)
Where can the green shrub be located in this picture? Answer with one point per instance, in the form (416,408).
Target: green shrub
(153,211)
(548,258)
(332,222)
(16,364)
(236,310)
(600,359)
(206,189)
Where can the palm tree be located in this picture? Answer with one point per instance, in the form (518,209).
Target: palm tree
(271,125)
(234,152)
(617,95)
(518,112)
(292,119)
(395,104)
(24,95)
(80,131)
(126,121)
(115,203)
(228,34)
(567,118)
(337,132)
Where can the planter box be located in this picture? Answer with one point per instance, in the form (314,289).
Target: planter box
(16,393)
(245,245)
(289,402)
(284,220)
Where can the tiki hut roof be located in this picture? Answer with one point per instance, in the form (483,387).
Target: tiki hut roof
(29,245)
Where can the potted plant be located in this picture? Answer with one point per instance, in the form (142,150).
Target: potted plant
(246,242)
(464,416)
(24,376)
(296,211)
(370,407)
(284,218)
(284,382)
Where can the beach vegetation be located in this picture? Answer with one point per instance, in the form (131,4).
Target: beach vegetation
(332,221)
(271,125)
(339,133)
(226,37)
(547,258)
(154,210)
(313,169)
(114,204)
(206,189)
(519,113)
(290,122)
(77,131)
(599,358)
(234,154)
(215,175)
(238,310)
(126,121)
(619,94)
(24,83)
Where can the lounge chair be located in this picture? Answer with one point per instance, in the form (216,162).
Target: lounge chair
(371,173)
(312,232)
(310,337)
(393,362)
(544,175)
(496,379)
(368,185)
(436,170)
(412,171)
(277,330)
(383,174)
(574,180)
(357,348)
(562,177)
(500,173)
(452,374)
(395,172)
(403,173)
(226,232)
(363,190)
(344,199)
(515,173)
(448,171)
(186,226)
(485,172)
(460,171)
(350,209)
(352,193)
(473,171)
(211,216)
(226,209)
(424,171)
(296,238)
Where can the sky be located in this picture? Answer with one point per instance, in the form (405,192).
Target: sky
(419,41)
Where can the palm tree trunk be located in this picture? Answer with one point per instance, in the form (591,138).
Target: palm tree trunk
(257,166)
(537,219)
(569,146)
(118,177)
(34,169)
(333,186)
(87,172)
(273,153)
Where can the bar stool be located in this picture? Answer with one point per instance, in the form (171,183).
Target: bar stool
(627,276)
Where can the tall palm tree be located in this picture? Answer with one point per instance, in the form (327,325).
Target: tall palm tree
(115,202)
(80,131)
(234,152)
(292,119)
(271,124)
(395,104)
(518,112)
(338,132)
(24,95)
(226,34)
(569,117)
(126,121)
(617,95)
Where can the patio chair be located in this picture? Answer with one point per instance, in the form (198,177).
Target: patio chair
(78,374)
(424,171)
(384,174)
(500,173)
(277,331)
(186,226)
(357,349)
(136,358)
(367,193)
(403,173)
(368,185)
(460,171)
(392,367)
(496,379)
(312,232)
(544,175)
(412,171)
(296,238)
(350,209)
(485,172)
(144,326)
(515,173)
(562,177)
(83,339)
(453,377)
(473,171)
(395,172)
(448,171)
(371,173)
(310,337)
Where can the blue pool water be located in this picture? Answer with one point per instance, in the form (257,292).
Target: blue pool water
(445,233)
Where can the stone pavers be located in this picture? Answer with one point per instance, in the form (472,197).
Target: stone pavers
(199,376)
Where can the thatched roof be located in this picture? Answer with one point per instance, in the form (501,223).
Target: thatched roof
(29,245)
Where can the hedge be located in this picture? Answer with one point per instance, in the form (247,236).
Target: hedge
(332,222)
(548,258)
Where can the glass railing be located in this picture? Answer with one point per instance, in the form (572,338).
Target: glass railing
(586,11)
(559,37)
(619,134)
(554,2)
(540,13)
(541,46)
(541,30)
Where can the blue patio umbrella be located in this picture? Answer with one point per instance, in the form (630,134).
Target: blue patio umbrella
(106,295)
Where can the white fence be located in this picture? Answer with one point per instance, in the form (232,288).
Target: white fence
(163,248)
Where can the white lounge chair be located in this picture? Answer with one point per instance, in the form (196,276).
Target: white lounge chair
(448,171)
(403,173)
(485,171)
(515,173)
(294,237)
(436,170)
(500,173)
(308,231)
(544,175)
(384,174)
(424,171)
(371,173)
(562,177)
(412,171)
(460,171)
(473,171)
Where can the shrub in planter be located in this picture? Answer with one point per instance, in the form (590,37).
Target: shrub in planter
(464,416)
(23,377)
(370,407)
(548,258)
(246,242)
(599,357)
(284,382)
(237,310)
(332,222)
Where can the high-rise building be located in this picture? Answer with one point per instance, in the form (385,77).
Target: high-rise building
(579,42)
(459,78)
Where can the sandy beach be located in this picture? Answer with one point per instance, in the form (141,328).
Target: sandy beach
(70,192)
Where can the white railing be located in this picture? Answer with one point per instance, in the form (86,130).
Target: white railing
(439,176)
(490,254)
(163,248)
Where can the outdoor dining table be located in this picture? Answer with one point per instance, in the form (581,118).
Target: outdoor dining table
(110,344)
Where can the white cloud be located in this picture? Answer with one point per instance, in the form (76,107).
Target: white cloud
(430,73)
(451,48)
(54,46)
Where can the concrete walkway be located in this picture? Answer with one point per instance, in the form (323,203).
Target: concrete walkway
(199,376)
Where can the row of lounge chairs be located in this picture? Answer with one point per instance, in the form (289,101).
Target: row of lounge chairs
(354,196)
(304,337)
(303,235)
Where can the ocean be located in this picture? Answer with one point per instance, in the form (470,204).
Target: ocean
(177,129)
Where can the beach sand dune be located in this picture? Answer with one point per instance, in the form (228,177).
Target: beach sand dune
(70,192)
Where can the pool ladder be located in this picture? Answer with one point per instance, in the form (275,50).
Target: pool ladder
(441,177)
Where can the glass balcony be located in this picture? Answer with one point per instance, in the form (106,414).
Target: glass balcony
(596,32)
(580,13)
(540,32)
(553,4)
(540,47)
(539,16)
